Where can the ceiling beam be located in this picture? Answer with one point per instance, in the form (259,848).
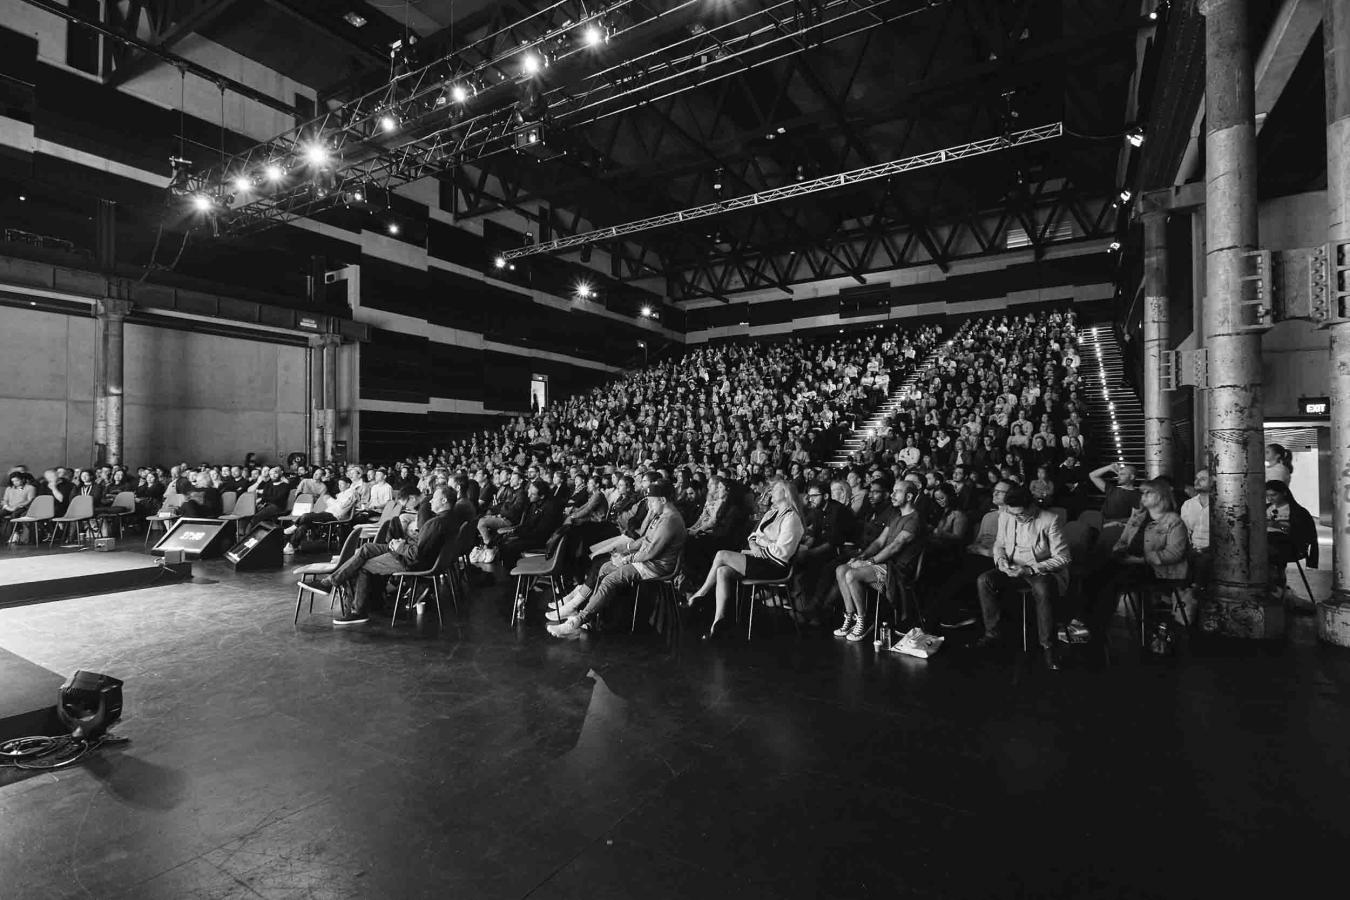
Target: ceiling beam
(367,54)
(185,65)
(198,18)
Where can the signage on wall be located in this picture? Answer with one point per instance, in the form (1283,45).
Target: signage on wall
(1314,406)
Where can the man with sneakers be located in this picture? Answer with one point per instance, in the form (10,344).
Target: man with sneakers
(653,555)
(340,506)
(1029,551)
(373,563)
(869,569)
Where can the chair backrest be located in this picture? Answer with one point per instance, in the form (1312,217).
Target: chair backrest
(295,495)
(81,507)
(227,501)
(349,545)
(320,505)
(390,511)
(42,507)
(1107,538)
(125,500)
(246,505)
(1078,535)
(464,541)
(445,560)
(1091,518)
(171,499)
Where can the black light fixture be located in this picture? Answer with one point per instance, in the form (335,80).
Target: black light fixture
(89,704)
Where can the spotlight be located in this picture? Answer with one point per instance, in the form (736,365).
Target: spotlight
(201,202)
(274,172)
(388,122)
(1114,246)
(1135,136)
(584,291)
(23,198)
(593,35)
(89,703)
(530,64)
(316,155)
(782,130)
(1125,195)
(392,228)
(459,94)
(242,184)
(500,262)
(647,311)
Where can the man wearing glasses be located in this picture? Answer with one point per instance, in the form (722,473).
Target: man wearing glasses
(829,524)
(1029,551)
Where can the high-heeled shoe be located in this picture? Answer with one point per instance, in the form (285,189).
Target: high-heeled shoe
(695,598)
(718,630)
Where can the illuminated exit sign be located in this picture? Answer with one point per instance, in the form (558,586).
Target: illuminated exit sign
(1314,406)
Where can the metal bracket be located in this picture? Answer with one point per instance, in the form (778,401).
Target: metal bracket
(1312,284)
(1255,285)
(1335,309)
(1183,367)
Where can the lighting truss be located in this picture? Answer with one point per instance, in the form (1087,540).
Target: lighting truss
(431,133)
(786,192)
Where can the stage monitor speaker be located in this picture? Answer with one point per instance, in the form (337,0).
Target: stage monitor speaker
(197,538)
(259,549)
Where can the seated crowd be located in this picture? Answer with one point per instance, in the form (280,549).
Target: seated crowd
(696,468)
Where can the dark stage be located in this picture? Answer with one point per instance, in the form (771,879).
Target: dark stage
(273,761)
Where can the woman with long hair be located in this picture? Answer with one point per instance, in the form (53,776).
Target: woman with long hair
(768,554)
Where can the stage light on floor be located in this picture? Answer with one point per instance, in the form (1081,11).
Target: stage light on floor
(89,704)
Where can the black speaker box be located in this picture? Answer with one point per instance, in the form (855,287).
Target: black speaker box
(197,538)
(259,549)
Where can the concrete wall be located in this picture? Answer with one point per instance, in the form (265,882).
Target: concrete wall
(188,396)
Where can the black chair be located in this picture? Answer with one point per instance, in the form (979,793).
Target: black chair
(666,601)
(312,573)
(763,590)
(528,571)
(439,569)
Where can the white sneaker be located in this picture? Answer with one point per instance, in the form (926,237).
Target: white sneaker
(289,531)
(476,554)
(844,629)
(860,630)
(489,555)
(568,629)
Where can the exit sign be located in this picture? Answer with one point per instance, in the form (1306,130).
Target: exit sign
(1314,406)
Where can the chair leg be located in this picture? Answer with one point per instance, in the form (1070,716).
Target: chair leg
(750,628)
(637,601)
(1307,587)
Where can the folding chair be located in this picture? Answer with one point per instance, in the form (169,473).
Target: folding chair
(41,510)
(79,513)
(762,589)
(310,575)
(442,567)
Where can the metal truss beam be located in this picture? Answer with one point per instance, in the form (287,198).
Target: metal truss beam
(812,186)
(433,136)
(1049,218)
(170,21)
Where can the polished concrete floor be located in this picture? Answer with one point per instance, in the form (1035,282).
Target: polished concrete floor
(275,761)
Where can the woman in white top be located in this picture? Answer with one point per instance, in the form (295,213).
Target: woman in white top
(770,550)
(1279,463)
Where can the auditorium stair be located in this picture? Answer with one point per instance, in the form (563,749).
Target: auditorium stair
(1117,416)
(844,456)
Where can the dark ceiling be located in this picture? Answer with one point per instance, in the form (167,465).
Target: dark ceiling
(944,73)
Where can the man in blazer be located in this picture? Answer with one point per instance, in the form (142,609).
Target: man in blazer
(1029,551)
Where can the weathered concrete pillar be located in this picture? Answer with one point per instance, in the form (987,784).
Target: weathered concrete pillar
(316,416)
(1242,606)
(1159,446)
(109,318)
(330,393)
(1334,614)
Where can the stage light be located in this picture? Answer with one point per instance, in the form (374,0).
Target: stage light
(354,19)
(594,35)
(1125,195)
(201,202)
(242,184)
(647,311)
(23,198)
(459,94)
(500,262)
(782,130)
(392,228)
(316,155)
(1135,136)
(530,63)
(89,703)
(274,172)
(1114,246)
(388,122)
(358,197)
(584,292)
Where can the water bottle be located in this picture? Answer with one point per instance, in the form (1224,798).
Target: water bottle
(880,642)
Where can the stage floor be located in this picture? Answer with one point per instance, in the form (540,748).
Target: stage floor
(24,567)
(268,760)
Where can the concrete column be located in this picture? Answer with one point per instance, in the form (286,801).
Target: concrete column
(1242,606)
(1159,446)
(316,416)
(1334,614)
(109,317)
(330,393)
